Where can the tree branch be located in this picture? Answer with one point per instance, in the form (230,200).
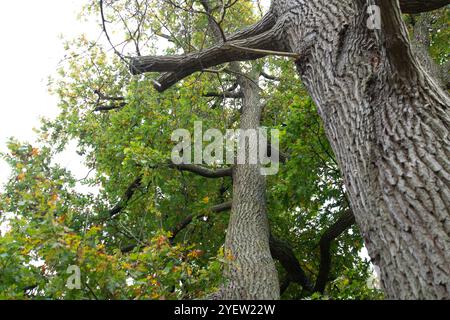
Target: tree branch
(126,198)
(269,77)
(282,252)
(228,95)
(202,171)
(110,107)
(266,23)
(335,231)
(103,19)
(118,102)
(263,51)
(105,97)
(183,225)
(419,6)
(188,220)
(180,66)
(396,39)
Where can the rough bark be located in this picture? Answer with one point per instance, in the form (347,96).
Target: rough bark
(388,122)
(251,274)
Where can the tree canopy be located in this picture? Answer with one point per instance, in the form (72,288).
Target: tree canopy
(154,230)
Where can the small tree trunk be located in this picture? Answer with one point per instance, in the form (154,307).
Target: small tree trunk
(251,274)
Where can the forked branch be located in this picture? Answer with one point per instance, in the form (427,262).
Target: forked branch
(335,231)
(180,66)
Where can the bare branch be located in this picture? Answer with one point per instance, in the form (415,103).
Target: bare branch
(181,66)
(102,16)
(229,95)
(184,224)
(335,231)
(126,198)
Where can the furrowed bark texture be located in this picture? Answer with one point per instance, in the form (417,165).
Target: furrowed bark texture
(251,274)
(388,123)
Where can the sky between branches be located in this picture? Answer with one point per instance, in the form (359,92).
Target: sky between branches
(31,50)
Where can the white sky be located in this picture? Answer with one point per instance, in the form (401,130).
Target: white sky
(31,49)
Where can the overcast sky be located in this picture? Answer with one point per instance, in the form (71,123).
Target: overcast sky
(31,49)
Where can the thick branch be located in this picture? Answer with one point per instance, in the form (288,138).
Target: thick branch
(183,225)
(126,198)
(336,230)
(198,61)
(181,66)
(418,6)
(394,36)
(282,252)
(110,107)
(265,24)
(204,172)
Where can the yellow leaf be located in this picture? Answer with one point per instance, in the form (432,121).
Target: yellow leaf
(195,254)
(155,296)
(35,152)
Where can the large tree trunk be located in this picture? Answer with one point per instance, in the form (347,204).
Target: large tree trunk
(388,122)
